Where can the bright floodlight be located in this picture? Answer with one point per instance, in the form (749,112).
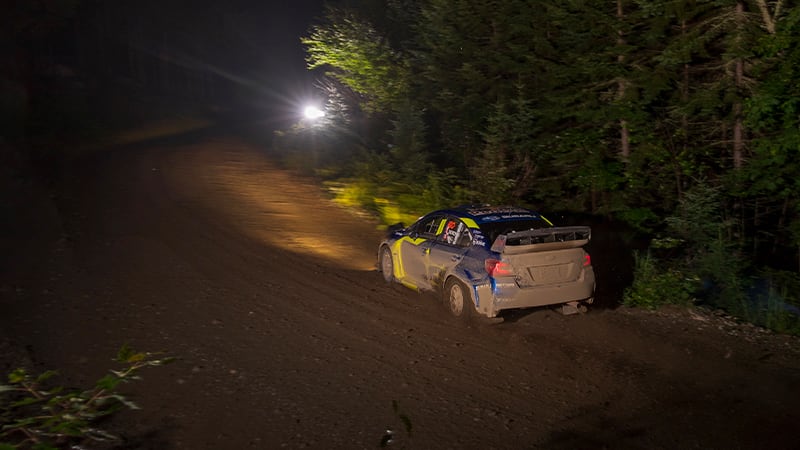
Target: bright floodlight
(312,112)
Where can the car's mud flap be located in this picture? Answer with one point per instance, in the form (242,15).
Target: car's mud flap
(483,320)
(570,308)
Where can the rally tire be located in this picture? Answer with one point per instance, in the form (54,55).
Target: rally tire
(386,265)
(457,300)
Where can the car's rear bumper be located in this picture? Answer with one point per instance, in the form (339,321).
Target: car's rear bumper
(495,296)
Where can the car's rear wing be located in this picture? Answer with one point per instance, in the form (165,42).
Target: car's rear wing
(542,239)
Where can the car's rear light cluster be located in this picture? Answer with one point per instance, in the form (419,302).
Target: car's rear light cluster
(497,268)
(587,260)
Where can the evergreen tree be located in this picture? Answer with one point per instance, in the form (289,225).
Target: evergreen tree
(358,55)
(771,178)
(507,166)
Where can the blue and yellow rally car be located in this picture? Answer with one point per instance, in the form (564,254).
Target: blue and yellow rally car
(486,259)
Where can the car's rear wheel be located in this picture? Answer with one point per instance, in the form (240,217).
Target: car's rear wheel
(457,299)
(386,264)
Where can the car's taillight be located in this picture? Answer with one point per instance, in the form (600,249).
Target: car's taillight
(497,268)
(587,260)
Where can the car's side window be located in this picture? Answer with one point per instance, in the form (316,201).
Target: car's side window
(455,232)
(430,226)
(465,239)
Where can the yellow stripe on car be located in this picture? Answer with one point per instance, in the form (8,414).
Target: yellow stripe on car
(469,222)
(399,271)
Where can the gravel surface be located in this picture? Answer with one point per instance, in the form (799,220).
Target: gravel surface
(286,336)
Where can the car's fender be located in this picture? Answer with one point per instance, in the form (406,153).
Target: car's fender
(463,276)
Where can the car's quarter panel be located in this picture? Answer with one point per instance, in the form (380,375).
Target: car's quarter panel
(443,259)
(484,298)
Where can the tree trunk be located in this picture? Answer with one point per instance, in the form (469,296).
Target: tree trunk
(684,119)
(738,125)
(624,133)
(781,224)
(769,18)
(738,136)
(755,227)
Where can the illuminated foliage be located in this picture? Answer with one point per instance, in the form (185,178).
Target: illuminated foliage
(355,53)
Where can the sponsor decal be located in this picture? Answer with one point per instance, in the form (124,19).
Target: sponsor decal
(519,216)
(478,238)
(500,211)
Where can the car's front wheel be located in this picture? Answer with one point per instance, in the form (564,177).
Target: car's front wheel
(386,264)
(457,299)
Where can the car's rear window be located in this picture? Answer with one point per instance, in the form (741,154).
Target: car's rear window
(493,229)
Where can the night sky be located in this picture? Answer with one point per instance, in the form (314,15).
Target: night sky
(270,33)
(127,58)
(268,53)
(246,52)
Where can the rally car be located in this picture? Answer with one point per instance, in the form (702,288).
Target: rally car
(486,259)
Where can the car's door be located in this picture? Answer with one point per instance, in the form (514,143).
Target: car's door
(415,251)
(452,242)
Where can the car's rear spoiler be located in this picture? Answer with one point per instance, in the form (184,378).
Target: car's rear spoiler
(542,239)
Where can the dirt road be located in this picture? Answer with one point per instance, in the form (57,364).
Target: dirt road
(286,337)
